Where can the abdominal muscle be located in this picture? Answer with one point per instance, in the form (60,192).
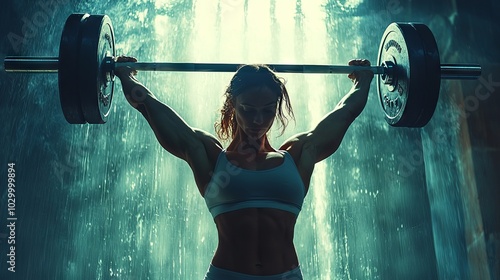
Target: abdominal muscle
(256,241)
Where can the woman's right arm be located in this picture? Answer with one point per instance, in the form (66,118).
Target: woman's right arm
(173,133)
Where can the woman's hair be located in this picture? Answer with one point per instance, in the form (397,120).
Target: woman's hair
(247,77)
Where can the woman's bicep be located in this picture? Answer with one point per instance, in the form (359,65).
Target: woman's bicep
(171,131)
(328,134)
(324,139)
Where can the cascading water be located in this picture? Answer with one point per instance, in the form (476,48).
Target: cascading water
(107,202)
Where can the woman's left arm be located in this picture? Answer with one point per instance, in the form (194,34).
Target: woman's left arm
(324,139)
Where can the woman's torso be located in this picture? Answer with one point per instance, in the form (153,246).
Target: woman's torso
(257,241)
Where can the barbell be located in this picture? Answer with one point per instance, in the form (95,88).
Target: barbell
(409,70)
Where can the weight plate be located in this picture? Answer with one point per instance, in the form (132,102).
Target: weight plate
(69,49)
(96,85)
(402,99)
(432,74)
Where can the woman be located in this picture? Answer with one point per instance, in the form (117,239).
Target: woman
(253,191)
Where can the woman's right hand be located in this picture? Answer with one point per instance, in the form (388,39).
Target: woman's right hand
(125,72)
(134,91)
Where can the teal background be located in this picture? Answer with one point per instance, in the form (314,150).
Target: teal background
(106,202)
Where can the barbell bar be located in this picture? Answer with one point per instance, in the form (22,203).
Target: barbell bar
(408,83)
(37,64)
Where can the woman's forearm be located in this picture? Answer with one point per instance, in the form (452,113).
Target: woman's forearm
(355,99)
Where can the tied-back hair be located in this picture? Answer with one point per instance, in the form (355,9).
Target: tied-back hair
(247,77)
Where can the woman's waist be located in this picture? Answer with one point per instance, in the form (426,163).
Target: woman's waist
(256,260)
(256,246)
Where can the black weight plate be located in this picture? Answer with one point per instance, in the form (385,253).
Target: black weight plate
(69,49)
(96,86)
(401,101)
(432,74)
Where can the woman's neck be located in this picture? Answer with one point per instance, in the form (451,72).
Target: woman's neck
(243,144)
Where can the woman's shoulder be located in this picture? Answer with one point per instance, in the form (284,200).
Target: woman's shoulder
(294,144)
(301,151)
(212,145)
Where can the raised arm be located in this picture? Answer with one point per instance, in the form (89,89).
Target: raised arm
(324,139)
(173,133)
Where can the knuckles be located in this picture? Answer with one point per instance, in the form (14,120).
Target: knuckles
(357,75)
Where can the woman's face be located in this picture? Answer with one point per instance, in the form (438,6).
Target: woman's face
(255,110)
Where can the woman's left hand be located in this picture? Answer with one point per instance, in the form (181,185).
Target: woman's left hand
(364,76)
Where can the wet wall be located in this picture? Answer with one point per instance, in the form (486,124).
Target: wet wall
(106,202)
